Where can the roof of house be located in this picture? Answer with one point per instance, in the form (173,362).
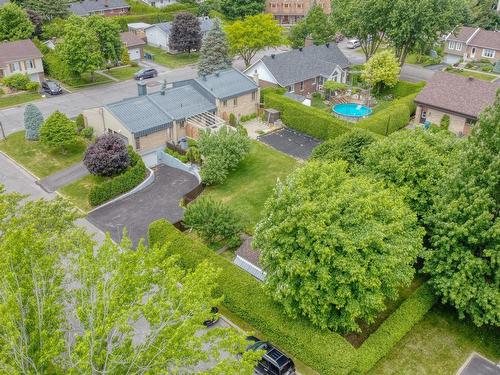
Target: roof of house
(227,84)
(3,2)
(302,64)
(476,36)
(86,7)
(18,50)
(462,95)
(138,25)
(461,34)
(476,364)
(205,25)
(131,40)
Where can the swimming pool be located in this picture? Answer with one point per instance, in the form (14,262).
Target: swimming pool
(352,110)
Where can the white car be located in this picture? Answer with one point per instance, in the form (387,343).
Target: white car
(353,43)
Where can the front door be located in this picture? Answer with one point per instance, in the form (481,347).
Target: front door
(423,115)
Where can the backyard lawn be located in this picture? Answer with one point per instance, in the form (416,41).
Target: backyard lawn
(252,183)
(12,100)
(438,345)
(123,73)
(78,191)
(172,60)
(38,158)
(478,75)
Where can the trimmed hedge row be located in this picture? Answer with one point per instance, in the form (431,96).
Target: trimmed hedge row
(121,183)
(326,352)
(153,18)
(395,327)
(308,120)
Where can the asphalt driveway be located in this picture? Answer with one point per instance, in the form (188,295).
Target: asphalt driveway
(159,200)
(291,142)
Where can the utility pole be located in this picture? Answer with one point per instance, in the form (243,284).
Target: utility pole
(3,132)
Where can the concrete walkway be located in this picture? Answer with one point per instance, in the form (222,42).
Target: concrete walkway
(55,181)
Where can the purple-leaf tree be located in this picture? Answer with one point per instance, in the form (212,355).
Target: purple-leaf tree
(107,156)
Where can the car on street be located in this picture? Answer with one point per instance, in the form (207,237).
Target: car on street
(353,43)
(214,319)
(146,73)
(273,362)
(51,88)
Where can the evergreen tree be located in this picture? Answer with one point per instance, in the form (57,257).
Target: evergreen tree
(185,35)
(33,120)
(215,51)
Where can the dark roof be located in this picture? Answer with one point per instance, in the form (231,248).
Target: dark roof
(461,34)
(131,40)
(205,25)
(461,95)
(86,7)
(18,50)
(476,37)
(310,62)
(227,84)
(478,365)
(248,253)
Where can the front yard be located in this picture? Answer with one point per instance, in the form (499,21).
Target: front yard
(123,73)
(78,191)
(468,73)
(172,60)
(12,100)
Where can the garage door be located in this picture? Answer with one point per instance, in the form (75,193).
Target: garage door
(451,59)
(135,54)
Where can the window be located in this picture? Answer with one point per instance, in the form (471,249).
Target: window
(302,86)
(30,64)
(235,101)
(488,53)
(137,143)
(458,46)
(254,95)
(15,67)
(286,5)
(451,45)
(224,103)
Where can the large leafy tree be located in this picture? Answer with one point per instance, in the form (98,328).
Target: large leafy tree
(234,9)
(107,31)
(15,23)
(58,131)
(315,24)
(382,70)
(215,51)
(47,9)
(185,35)
(33,120)
(483,13)
(464,263)
(336,247)
(247,37)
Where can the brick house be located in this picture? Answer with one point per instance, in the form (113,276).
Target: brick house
(471,43)
(150,121)
(289,12)
(301,71)
(461,98)
(21,56)
(134,45)
(85,8)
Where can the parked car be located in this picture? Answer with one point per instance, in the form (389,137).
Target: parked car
(51,88)
(215,318)
(146,73)
(353,43)
(273,362)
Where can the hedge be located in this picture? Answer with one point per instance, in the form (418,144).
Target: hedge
(121,183)
(156,17)
(395,327)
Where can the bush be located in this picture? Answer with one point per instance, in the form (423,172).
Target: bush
(87,132)
(213,221)
(32,86)
(246,118)
(177,155)
(33,120)
(232,119)
(107,156)
(193,154)
(17,81)
(271,90)
(80,122)
(158,232)
(120,184)
(445,122)
(395,327)
(58,131)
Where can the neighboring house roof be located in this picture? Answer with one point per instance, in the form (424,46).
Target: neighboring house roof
(461,34)
(461,95)
(227,84)
(475,36)
(296,97)
(86,7)
(3,2)
(476,364)
(18,50)
(131,40)
(205,25)
(302,64)
(138,25)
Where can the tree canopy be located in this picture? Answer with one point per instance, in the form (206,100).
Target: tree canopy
(58,131)
(185,35)
(47,9)
(107,31)
(15,23)
(215,51)
(234,9)
(382,70)
(315,24)
(336,247)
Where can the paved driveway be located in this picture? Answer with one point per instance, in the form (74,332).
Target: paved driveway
(291,142)
(159,200)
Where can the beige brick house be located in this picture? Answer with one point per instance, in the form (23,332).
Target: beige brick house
(289,12)
(178,110)
(471,44)
(21,56)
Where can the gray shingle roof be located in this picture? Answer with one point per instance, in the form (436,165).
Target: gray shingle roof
(18,50)
(227,84)
(297,66)
(205,25)
(85,7)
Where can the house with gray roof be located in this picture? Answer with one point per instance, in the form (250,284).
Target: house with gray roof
(21,56)
(471,44)
(301,71)
(85,8)
(178,110)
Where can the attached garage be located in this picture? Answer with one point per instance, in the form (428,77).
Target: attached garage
(452,59)
(135,54)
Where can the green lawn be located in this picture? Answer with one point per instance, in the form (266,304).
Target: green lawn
(78,191)
(39,159)
(172,60)
(252,183)
(124,73)
(12,100)
(438,345)
(478,75)
(86,80)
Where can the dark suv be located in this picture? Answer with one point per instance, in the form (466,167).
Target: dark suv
(273,362)
(51,87)
(146,73)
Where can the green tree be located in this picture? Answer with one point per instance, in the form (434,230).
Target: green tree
(234,9)
(58,131)
(315,24)
(15,23)
(382,70)
(483,13)
(107,31)
(215,51)
(185,35)
(248,36)
(47,9)
(33,120)
(464,262)
(336,247)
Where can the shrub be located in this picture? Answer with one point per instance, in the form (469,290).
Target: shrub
(193,155)
(271,90)
(32,86)
(121,183)
(158,232)
(232,119)
(177,155)
(87,132)
(33,120)
(249,117)
(107,156)
(58,131)
(16,81)
(213,221)
(80,122)
(445,122)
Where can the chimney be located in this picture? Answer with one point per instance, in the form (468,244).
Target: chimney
(308,41)
(142,89)
(273,56)
(163,87)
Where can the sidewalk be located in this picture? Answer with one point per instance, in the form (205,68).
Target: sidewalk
(66,176)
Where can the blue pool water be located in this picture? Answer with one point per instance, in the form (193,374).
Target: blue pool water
(352,110)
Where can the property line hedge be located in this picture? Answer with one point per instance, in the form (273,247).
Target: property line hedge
(121,183)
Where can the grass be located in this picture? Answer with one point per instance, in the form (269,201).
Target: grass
(438,345)
(123,73)
(172,60)
(317,102)
(86,80)
(78,191)
(38,158)
(247,188)
(465,73)
(12,100)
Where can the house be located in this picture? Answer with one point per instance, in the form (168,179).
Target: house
(476,364)
(289,12)
(302,71)
(158,35)
(21,56)
(471,44)
(150,121)
(159,3)
(248,259)
(461,98)
(134,45)
(85,8)
(138,29)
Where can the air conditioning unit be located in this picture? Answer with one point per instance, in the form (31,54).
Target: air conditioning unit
(320,87)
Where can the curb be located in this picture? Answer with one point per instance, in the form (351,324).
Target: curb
(23,168)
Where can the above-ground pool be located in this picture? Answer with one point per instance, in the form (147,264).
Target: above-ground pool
(352,111)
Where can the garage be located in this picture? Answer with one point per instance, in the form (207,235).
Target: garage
(452,59)
(134,45)
(134,54)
